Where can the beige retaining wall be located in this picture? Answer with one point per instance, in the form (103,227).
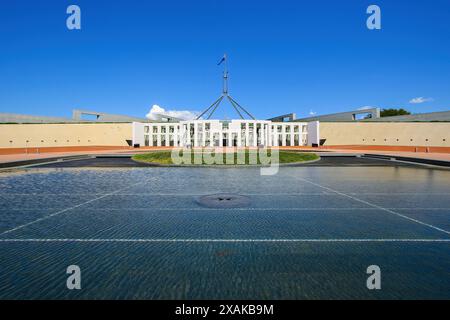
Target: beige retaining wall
(116,134)
(436,134)
(58,135)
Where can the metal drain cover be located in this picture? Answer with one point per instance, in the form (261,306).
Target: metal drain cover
(224,200)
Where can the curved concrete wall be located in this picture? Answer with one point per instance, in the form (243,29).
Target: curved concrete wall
(116,134)
(436,134)
(57,135)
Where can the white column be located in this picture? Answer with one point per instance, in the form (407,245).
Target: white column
(158,138)
(180,135)
(195,135)
(255,135)
(292,134)
(239,135)
(175,136)
(204,135)
(269,135)
(167,136)
(263,134)
(247,135)
(313,133)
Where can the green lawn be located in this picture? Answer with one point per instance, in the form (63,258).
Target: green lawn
(251,157)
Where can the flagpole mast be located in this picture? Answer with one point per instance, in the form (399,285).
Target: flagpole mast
(233,102)
(225,76)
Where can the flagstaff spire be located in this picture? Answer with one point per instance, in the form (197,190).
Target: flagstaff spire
(225,74)
(233,102)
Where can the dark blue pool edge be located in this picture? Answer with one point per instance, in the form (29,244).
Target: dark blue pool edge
(441,164)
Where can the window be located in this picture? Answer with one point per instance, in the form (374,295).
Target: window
(279,129)
(163,129)
(146,129)
(295,128)
(361,116)
(147,141)
(171,129)
(296,140)
(250,139)
(207,126)
(234,142)
(288,128)
(216,139)
(155,129)
(225,139)
(89,117)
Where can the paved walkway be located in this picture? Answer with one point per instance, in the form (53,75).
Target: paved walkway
(421,155)
(5,158)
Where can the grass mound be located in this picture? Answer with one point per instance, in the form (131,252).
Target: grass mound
(204,157)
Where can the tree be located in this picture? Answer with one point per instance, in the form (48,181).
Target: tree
(394,112)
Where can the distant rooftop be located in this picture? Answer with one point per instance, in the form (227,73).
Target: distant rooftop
(419,117)
(354,115)
(83,116)
(365,115)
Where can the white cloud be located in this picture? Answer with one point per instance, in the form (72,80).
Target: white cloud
(156,112)
(420,100)
(366,108)
(312,113)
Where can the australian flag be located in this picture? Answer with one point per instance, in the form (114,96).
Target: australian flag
(222,60)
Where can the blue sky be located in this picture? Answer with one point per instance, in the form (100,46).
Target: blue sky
(284,56)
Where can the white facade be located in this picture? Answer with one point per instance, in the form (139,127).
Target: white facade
(224,133)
